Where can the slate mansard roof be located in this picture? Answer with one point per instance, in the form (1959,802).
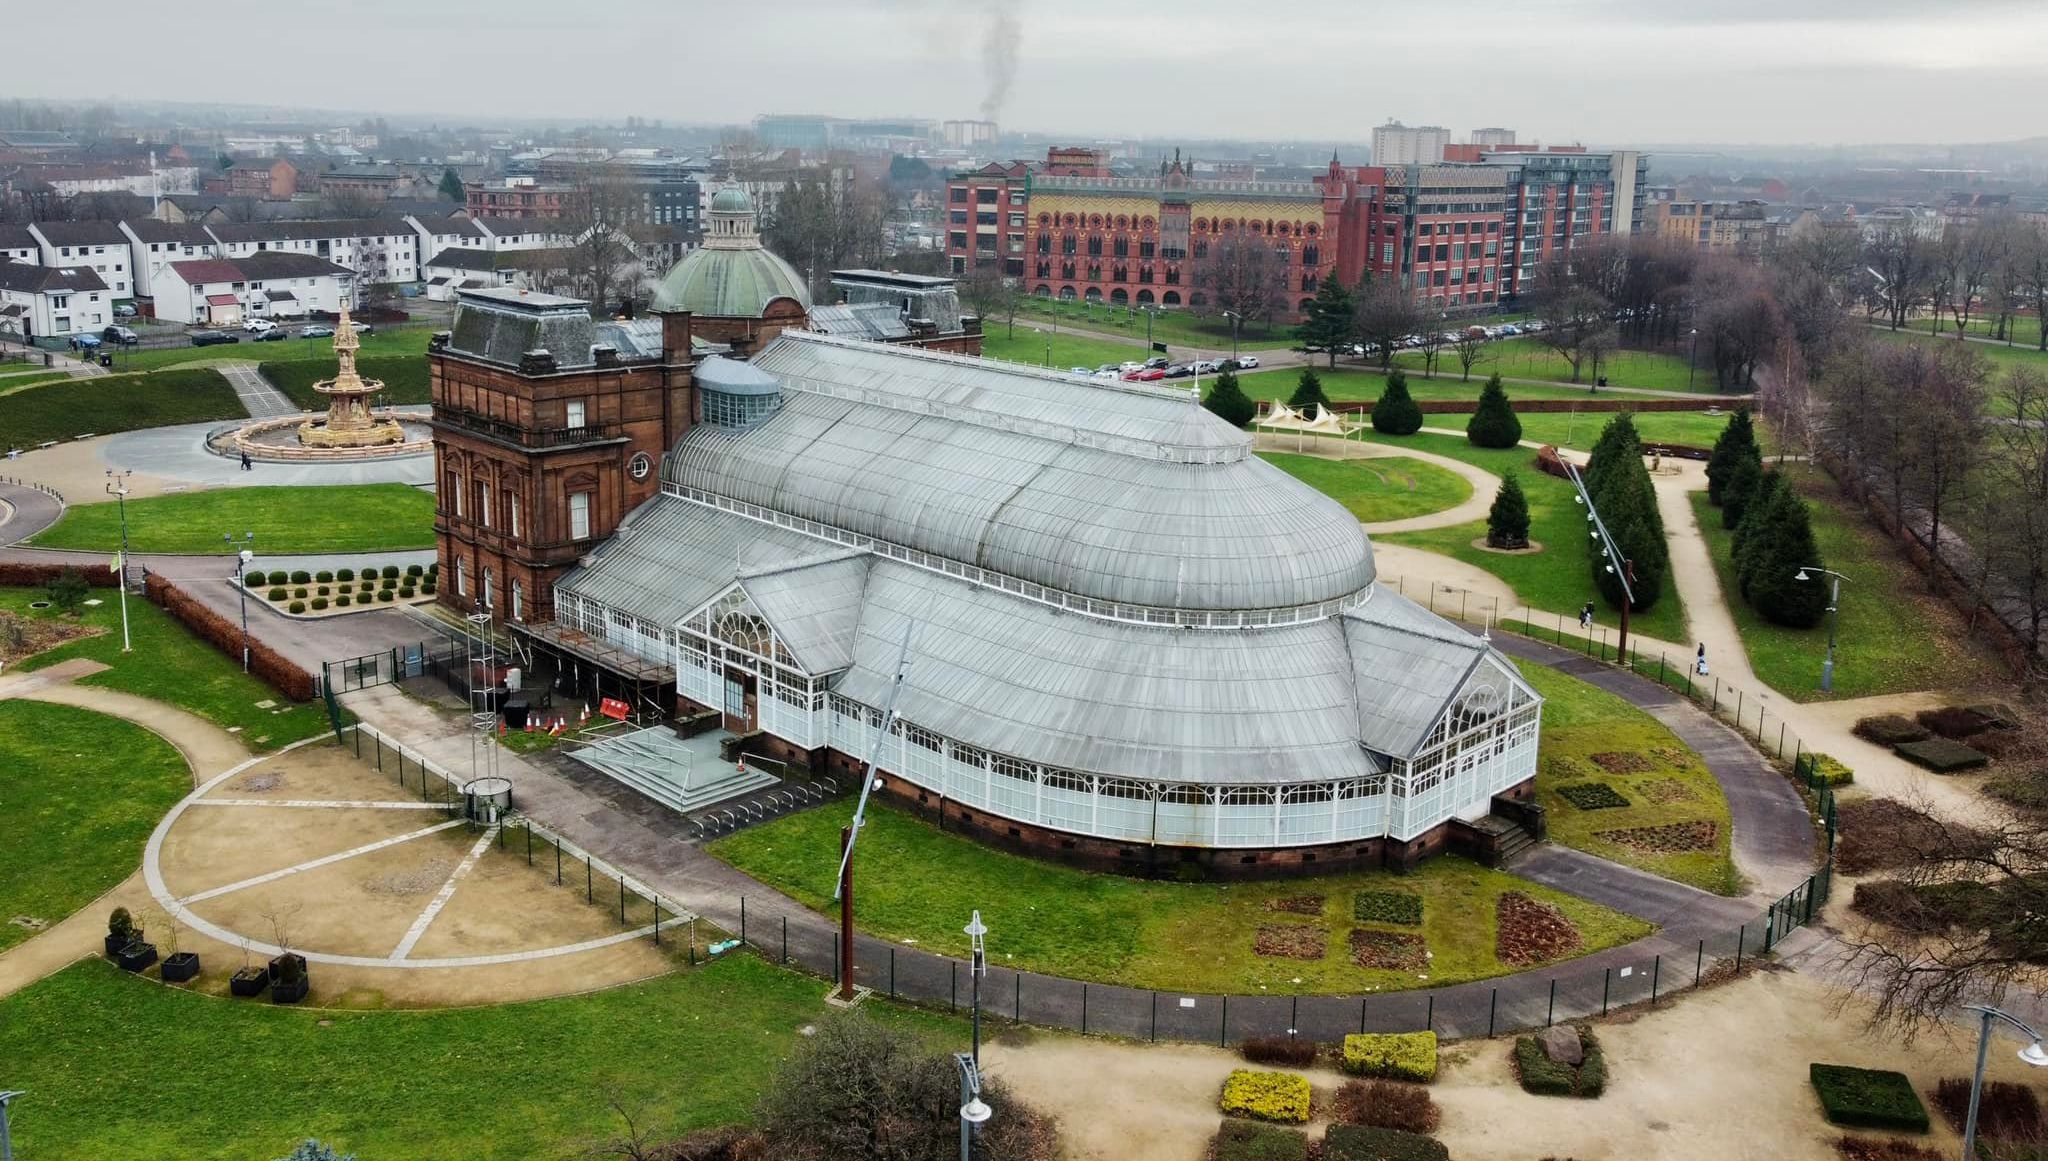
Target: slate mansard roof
(1031,526)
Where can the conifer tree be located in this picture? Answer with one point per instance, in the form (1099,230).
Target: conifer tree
(1396,412)
(1308,392)
(1620,485)
(1228,401)
(1737,442)
(451,185)
(1328,324)
(1737,489)
(1507,522)
(1494,423)
(1781,546)
(1746,532)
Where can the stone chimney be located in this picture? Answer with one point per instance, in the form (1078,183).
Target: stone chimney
(541,362)
(675,336)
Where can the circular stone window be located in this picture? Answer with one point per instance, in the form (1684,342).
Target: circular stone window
(640,465)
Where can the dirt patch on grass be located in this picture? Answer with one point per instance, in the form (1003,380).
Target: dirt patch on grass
(1671,838)
(1297,905)
(1622,762)
(1664,791)
(1388,949)
(1291,941)
(27,636)
(419,880)
(1532,931)
(1672,756)
(1882,833)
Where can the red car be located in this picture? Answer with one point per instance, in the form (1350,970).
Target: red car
(1148,375)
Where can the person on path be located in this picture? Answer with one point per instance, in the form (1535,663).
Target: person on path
(246,465)
(1586,616)
(1699,664)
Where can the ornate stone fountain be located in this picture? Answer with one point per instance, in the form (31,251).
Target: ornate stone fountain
(349,422)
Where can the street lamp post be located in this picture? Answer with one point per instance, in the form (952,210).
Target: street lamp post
(977,967)
(1235,319)
(117,487)
(2033,1054)
(6,1140)
(973,1113)
(242,561)
(1827,669)
(1692,358)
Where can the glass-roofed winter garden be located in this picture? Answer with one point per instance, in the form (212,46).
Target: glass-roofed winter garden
(1132,642)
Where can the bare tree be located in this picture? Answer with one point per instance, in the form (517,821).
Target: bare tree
(1737,319)
(605,201)
(1964,264)
(1241,274)
(1575,318)
(989,295)
(819,227)
(2030,264)
(2015,539)
(1386,314)
(1470,349)
(1904,263)
(1946,436)
(1431,344)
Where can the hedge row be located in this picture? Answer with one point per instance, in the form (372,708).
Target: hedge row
(1391,1055)
(267,663)
(1526,406)
(34,576)
(1868,1098)
(1266,1096)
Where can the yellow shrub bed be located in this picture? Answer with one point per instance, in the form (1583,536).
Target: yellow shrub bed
(1266,1096)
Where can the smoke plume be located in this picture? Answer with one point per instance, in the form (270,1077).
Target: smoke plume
(999,57)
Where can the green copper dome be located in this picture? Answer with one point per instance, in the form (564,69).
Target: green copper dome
(732,200)
(730,283)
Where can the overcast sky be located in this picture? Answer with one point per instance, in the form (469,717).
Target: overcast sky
(1599,71)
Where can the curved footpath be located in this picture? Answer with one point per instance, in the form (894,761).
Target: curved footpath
(1475,507)
(25,511)
(1772,836)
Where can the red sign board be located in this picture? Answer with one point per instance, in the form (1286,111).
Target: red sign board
(614,709)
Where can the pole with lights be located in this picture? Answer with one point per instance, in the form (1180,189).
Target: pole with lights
(843,890)
(117,487)
(6,1139)
(1827,668)
(1692,358)
(2034,1053)
(1235,318)
(1621,566)
(242,561)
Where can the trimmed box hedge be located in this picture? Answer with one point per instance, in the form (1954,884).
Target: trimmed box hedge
(1391,1055)
(1890,729)
(1361,1143)
(1823,770)
(1546,1077)
(1868,1098)
(1279,1050)
(1941,755)
(1592,795)
(1266,1096)
(1387,907)
(1251,1141)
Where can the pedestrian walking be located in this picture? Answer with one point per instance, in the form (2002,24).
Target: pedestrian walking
(1699,664)
(247,466)
(1586,616)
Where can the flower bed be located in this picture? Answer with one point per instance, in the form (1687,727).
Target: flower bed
(1592,795)
(1664,791)
(1266,1096)
(1386,1104)
(1868,1098)
(1696,835)
(1622,762)
(1884,1149)
(1953,722)
(1297,905)
(1250,1141)
(1531,931)
(2005,1111)
(1387,907)
(1391,1055)
(1292,941)
(1941,755)
(1543,1076)
(1363,1143)
(1388,949)
(1890,730)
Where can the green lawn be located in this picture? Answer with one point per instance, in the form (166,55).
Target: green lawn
(350,518)
(404,376)
(411,341)
(918,883)
(1029,347)
(9,384)
(1582,430)
(1557,579)
(1892,637)
(1528,358)
(81,792)
(122,1067)
(171,665)
(1364,384)
(2024,331)
(1393,488)
(111,403)
(1665,783)
(1168,326)
(2000,358)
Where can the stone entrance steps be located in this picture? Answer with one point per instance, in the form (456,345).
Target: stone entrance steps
(656,763)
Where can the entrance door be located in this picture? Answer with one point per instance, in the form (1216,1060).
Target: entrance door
(738,705)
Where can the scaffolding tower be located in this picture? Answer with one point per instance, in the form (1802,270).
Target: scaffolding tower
(483,698)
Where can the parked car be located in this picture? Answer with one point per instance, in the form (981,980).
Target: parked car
(1506,330)
(1108,376)
(1158,362)
(1080,370)
(316,331)
(1178,371)
(257,326)
(1247,362)
(1148,375)
(1127,368)
(1206,366)
(124,311)
(1111,368)
(85,342)
(273,335)
(214,338)
(361,328)
(1535,326)
(121,335)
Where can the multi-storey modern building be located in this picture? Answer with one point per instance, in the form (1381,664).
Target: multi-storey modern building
(1560,197)
(1437,228)
(985,218)
(1396,144)
(1743,227)
(1493,138)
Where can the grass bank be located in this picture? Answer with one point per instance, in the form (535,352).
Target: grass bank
(1393,488)
(67,409)
(404,376)
(300,519)
(170,665)
(1198,937)
(81,792)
